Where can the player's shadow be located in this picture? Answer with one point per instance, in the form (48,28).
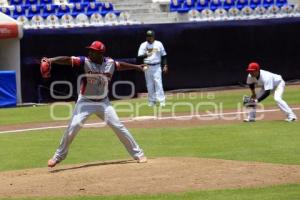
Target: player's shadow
(93,165)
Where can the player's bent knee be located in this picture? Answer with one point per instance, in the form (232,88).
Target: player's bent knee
(277,99)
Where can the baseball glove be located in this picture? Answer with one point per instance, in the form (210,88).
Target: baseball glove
(249,102)
(45,68)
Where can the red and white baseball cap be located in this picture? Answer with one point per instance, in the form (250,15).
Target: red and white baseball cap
(253,66)
(98,46)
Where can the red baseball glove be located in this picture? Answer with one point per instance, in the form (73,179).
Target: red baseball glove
(45,68)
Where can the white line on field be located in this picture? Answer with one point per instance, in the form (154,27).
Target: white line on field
(142,118)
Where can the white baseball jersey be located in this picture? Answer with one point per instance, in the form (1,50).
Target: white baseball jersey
(154,52)
(94,82)
(267,80)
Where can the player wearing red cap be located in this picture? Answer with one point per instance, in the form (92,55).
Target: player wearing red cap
(269,82)
(97,72)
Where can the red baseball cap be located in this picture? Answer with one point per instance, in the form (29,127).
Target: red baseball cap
(98,46)
(253,67)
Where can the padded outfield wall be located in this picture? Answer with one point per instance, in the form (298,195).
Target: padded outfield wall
(203,54)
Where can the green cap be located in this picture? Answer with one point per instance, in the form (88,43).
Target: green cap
(150,33)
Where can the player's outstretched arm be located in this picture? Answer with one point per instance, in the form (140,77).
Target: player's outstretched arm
(121,66)
(61,60)
(46,63)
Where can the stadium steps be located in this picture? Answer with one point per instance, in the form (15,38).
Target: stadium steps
(144,11)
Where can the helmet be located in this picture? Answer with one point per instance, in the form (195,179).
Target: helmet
(253,66)
(97,46)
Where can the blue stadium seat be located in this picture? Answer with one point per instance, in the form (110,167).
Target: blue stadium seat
(255,3)
(175,5)
(78,8)
(62,10)
(28,3)
(34,10)
(268,3)
(19,11)
(93,8)
(106,8)
(16,2)
(189,4)
(5,11)
(45,2)
(240,4)
(186,6)
(215,4)
(202,4)
(49,9)
(281,3)
(90,1)
(228,4)
(75,1)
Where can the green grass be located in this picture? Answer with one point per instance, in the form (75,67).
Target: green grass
(262,141)
(230,99)
(282,192)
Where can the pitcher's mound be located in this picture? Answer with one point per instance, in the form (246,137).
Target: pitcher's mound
(160,175)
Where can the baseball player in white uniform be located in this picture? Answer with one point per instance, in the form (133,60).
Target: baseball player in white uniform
(153,54)
(97,71)
(269,82)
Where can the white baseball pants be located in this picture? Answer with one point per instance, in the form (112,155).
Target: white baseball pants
(154,84)
(284,107)
(104,110)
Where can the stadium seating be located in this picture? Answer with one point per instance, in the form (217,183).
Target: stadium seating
(37,22)
(124,19)
(79,12)
(286,10)
(207,14)
(106,8)
(52,21)
(194,15)
(19,11)
(82,20)
(96,20)
(273,10)
(67,21)
(233,13)
(63,9)
(268,3)
(24,21)
(33,10)
(29,3)
(220,14)
(49,9)
(16,2)
(175,5)
(228,4)
(281,3)
(111,19)
(202,4)
(260,11)
(215,4)
(45,2)
(93,8)
(78,8)
(247,12)
(5,10)
(240,4)
(189,4)
(255,3)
